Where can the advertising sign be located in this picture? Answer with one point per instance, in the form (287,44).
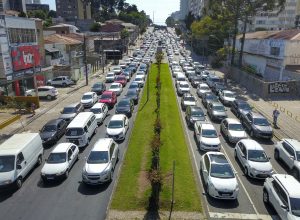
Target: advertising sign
(40,80)
(24,57)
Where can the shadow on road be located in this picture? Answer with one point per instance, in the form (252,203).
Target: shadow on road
(91,190)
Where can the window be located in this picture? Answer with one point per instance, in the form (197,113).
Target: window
(69,154)
(275,51)
(249,117)
(206,161)
(73,148)
(20,158)
(89,123)
(288,149)
(111,150)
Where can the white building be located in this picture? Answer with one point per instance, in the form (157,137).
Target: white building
(272,53)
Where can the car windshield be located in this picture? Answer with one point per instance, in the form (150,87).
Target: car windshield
(131,93)
(261,122)
(189,99)
(219,108)
(208,133)
(295,206)
(120,78)
(74,132)
(106,96)
(69,110)
(57,158)
(138,79)
(49,128)
(204,88)
(96,110)
(97,157)
(110,75)
(133,86)
(215,79)
(115,124)
(114,86)
(257,156)
(229,95)
(123,103)
(211,97)
(97,85)
(222,171)
(235,127)
(184,85)
(197,113)
(245,106)
(85,97)
(7,163)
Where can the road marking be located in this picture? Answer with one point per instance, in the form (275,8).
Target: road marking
(228,215)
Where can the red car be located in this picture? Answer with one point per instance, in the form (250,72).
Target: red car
(109,98)
(121,79)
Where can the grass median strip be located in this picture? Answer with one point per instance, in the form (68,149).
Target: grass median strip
(133,190)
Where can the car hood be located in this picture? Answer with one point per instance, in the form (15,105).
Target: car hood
(264,128)
(7,176)
(46,135)
(54,168)
(189,103)
(132,96)
(219,113)
(229,99)
(115,90)
(72,115)
(184,89)
(198,118)
(95,168)
(244,112)
(261,166)
(121,109)
(86,101)
(225,185)
(114,131)
(99,116)
(210,141)
(238,134)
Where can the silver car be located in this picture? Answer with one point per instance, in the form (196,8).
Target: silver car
(232,130)
(216,111)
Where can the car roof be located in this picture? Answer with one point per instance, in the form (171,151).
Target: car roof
(232,121)
(102,144)
(290,184)
(108,92)
(240,101)
(117,117)
(216,103)
(228,91)
(183,82)
(195,108)
(251,144)
(54,121)
(72,105)
(98,105)
(115,83)
(61,148)
(217,158)
(207,125)
(256,115)
(293,142)
(89,93)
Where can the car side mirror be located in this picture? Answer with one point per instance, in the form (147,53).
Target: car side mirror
(292,157)
(243,156)
(19,167)
(105,125)
(284,207)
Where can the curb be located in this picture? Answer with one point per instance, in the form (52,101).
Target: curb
(9,121)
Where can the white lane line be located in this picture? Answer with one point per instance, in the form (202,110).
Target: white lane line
(228,215)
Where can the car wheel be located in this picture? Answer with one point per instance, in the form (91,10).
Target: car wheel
(39,160)
(66,174)
(64,84)
(48,84)
(246,171)
(276,155)
(295,174)
(19,182)
(235,154)
(265,196)
(49,97)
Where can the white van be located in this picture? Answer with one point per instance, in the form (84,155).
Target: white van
(18,155)
(180,77)
(82,128)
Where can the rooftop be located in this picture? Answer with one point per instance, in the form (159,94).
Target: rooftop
(62,39)
(62,147)
(293,34)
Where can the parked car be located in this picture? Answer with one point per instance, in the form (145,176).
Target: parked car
(98,88)
(101,162)
(209,97)
(60,162)
(281,191)
(257,125)
(121,79)
(60,81)
(117,127)
(53,130)
(227,97)
(48,92)
(288,151)
(216,111)
(187,100)
(117,88)
(206,136)
(110,77)
(253,159)
(100,110)
(109,98)
(182,87)
(125,106)
(134,95)
(89,99)
(232,130)
(240,108)
(70,111)
(193,114)
(202,89)
(219,177)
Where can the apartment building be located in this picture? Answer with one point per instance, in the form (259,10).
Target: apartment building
(73,10)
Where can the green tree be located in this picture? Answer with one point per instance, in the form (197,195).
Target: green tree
(52,14)
(170,21)
(22,14)
(189,19)
(95,27)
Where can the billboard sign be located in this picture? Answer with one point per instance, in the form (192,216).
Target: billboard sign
(25,57)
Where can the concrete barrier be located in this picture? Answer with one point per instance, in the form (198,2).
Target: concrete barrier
(9,121)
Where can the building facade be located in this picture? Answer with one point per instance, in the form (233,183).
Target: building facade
(34,7)
(17,5)
(73,10)
(184,8)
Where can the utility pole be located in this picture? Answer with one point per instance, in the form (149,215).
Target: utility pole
(85,61)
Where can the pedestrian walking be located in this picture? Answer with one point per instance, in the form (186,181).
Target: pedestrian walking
(276,113)
(33,108)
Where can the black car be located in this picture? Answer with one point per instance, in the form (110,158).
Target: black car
(99,88)
(218,87)
(134,95)
(209,97)
(125,106)
(53,130)
(195,81)
(193,114)
(240,107)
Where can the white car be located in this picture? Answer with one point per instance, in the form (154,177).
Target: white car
(110,77)
(141,74)
(183,87)
(60,81)
(219,177)
(206,136)
(202,89)
(140,80)
(233,130)
(101,162)
(254,160)
(89,99)
(60,161)
(117,70)
(227,97)
(117,88)
(188,100)
(117,127)
(48,92)
(100,110)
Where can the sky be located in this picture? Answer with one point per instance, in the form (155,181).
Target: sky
(161,8)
